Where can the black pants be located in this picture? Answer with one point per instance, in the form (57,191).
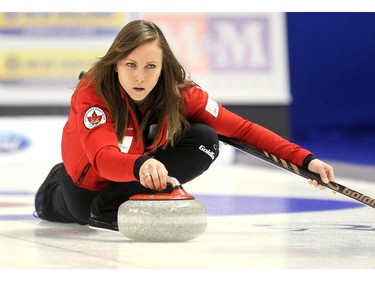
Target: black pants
(189,158)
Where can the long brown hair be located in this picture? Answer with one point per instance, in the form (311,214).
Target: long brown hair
(166,95)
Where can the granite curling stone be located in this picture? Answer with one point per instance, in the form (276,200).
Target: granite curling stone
(163,217)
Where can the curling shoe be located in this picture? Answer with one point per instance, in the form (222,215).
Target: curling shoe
(41,202)
(98,223)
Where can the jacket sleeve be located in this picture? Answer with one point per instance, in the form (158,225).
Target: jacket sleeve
(201,108)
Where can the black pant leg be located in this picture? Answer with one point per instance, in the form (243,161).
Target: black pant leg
(74,202)
(108,201)
(63,201)
(69,203)
(193,153)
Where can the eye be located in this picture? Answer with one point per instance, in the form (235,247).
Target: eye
(130,64)
(151,66)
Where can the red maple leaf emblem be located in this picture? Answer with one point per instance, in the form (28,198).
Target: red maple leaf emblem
(95,118)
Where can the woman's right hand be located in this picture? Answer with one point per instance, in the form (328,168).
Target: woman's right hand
(153,175)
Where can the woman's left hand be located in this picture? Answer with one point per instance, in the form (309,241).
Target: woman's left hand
(324,170)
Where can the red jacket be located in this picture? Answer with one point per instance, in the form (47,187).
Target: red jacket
(93,156)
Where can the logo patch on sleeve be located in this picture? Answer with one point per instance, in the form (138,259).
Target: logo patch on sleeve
(94,116)
(212,107)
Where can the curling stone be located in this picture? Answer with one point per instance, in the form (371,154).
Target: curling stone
(163,217)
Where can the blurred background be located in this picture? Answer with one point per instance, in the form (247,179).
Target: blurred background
(307,76)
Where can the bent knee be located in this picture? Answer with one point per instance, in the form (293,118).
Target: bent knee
(206,139)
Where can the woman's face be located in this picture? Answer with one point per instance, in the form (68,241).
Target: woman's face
(139,72)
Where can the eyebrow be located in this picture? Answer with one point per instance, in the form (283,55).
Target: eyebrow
(146,62)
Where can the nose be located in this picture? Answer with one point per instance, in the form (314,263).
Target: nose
(139,76)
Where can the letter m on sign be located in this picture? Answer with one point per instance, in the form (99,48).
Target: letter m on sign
(240,43)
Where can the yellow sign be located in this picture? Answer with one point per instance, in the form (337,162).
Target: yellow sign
(45,64)
(78,20)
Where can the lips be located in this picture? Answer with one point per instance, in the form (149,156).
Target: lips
(138,89)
